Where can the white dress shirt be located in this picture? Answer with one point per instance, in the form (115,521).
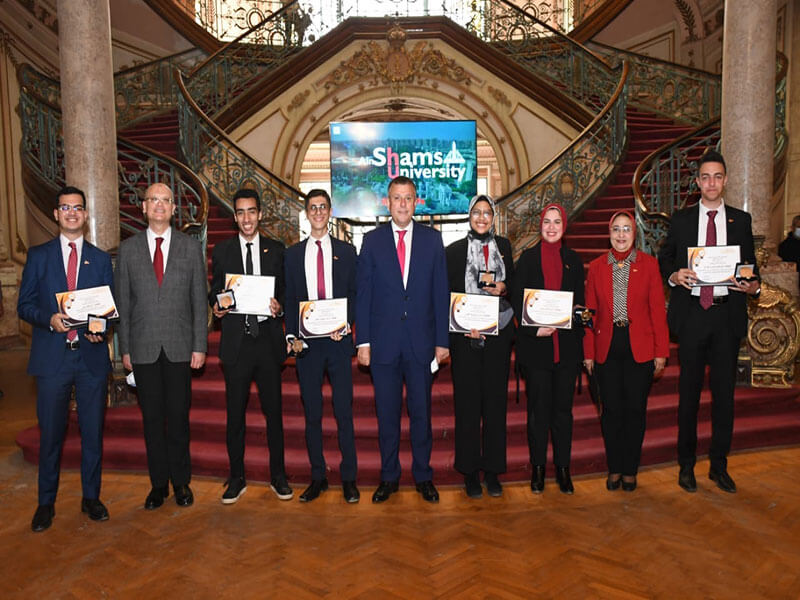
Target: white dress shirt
(255,251)
(407,240)
(720,223)
(151,244)
(311,266)
(66,250)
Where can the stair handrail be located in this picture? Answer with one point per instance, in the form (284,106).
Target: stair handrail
(43,154)
(681,93)
(228,168)
(573,178)
(664,181)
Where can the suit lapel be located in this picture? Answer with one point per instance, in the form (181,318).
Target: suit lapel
(302,286)
(58,258)
(264,253)
(143,258)
(175,251)
(391,249)
(86,264)
(416,251)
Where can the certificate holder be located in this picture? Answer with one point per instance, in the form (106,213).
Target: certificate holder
(322,318)
(79,304)
(252,293)
(546,308)
(474,311)
(713,265)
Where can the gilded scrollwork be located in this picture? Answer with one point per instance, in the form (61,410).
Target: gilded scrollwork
(773,336)
(298,100)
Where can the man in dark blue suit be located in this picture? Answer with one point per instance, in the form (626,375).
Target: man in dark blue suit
(317,268)
(61,359)
(401,327)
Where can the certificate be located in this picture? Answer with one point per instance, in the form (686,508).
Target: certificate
(474,311)
(252,293)
(322,318)
(546,308)
(713,265)
(79,304)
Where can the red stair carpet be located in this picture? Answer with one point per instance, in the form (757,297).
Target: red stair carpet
(763,417)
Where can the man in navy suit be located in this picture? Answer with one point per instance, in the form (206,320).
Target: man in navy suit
(401,326)
(61,359)
(318,268)
(709,322)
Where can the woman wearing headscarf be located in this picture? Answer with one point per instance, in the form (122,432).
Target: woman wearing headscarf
(549,358)
(480,364)
(627,346)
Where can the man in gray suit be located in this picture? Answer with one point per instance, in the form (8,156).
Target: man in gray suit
(161,286)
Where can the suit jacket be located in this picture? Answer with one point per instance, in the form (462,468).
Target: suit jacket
(528,274)
(674,256)
(42,278)
(647,315)
(386,311)
(173,316)
(227,258)
(344,281)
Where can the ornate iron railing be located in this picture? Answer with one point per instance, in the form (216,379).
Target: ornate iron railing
(665,181)
(680,93)
(43,152)
(225,168)
(228,19)
(149,87)
(574,177)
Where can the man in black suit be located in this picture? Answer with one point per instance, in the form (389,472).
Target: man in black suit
(709,322)
(318,268)
(252,347)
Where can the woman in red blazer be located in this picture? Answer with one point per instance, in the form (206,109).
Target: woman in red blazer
(628,344)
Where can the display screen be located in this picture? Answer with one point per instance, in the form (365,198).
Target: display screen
(439,156)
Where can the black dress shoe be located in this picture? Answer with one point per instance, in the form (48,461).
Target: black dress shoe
(350,491)
(537,479)
(612,483)
(723,480)
(43,517)
(686,479)
(95,509)
(280,486)
(428,491)
(235,487)
(564,480)
(183,495)
(156,497)
(493,486)
(472,485)
(313,491)
(629,486)
(385,489)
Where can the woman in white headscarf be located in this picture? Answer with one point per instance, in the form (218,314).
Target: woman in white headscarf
(481,263)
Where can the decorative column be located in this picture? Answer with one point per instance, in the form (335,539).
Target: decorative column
(88,113)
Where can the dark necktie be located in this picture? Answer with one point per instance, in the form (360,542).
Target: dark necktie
(72,280)
(251,321)
(320,273)
(707,292)
(401,253)
(158,261)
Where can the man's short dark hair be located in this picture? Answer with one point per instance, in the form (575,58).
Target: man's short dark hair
(246,193)
(401,180)
(68,190)
(317,193)
(710,156)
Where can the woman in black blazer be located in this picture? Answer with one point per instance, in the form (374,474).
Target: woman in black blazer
(549,358)
(481,363)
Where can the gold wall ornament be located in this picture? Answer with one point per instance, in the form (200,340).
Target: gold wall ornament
(298,100)
(499,96)
(773,337)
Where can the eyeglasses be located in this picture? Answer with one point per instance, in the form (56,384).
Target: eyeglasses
(481,213)
(623,229)
(157,200)
(318,208)
(65,208)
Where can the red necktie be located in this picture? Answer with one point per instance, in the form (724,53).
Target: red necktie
(320,273)
(401,253)
(158,261)
(707,292)
(72,280)
(486,255)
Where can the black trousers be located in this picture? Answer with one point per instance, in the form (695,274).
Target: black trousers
(255,363)
(707,339)
(165,395)
(624,385)
(550,392)
(480,394)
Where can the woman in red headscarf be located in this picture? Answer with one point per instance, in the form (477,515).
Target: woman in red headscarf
(549,357)
(627,346)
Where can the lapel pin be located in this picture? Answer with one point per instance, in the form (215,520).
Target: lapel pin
(86,262)
(335,257)
(730,220)
(266,250)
